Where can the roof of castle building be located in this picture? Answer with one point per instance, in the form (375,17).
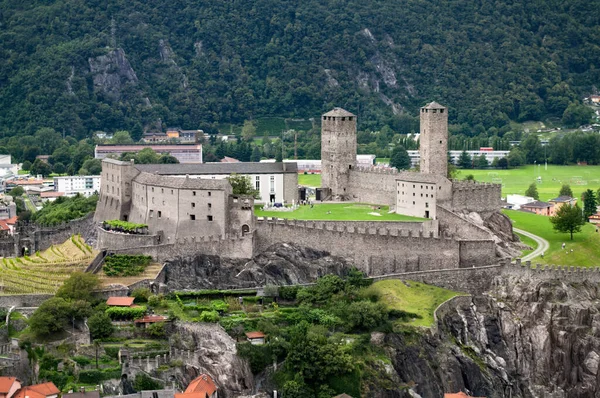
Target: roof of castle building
(219,168)
(182,183)
(419,177)
(434,105)
(338,112)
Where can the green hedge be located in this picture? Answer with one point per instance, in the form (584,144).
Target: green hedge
(126,264)
(124,226)
(125,313)
(95,376)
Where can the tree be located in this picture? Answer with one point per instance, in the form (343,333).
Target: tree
(469,177)
(26,165)
(100,325)
(589,204)
(79,286)
(465,161)
(50,317)
(147,156)
(481,162)
(566,190)
(59,168)
(248,130)
(16,191)
(121,137)
(532,191)
(242,185)
(516,157)
(255,157)
(41,167)
(93,167)
(502,163)
(568,219)
(168,159)
(576,115)
(400,158)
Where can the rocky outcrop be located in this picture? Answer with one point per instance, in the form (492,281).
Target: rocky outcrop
(280,264)
(111,73)
(526,339)
(214,353)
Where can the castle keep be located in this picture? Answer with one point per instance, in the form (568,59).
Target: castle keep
(189,211)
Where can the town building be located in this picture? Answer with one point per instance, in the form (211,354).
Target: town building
(489,153)
(537,207)
(73,185)
(595,219)
(202,386)
(120,301)
(184,153)
(44,390)
(256,338)
(515,201)
(557,203)
(9,386)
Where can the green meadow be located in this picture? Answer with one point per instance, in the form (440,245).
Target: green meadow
(585,244)
(338,211)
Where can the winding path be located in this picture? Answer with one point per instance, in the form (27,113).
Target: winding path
(542,243)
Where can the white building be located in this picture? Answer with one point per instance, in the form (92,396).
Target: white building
(72,185)
(516,201)
(490,155)
(315,164)
(275,182)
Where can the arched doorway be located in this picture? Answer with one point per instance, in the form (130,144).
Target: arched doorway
(245,229)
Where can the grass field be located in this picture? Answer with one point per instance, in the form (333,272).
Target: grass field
(585,245)
(310,180)
(414,297)
(529,242)
(337,211)
(516,181)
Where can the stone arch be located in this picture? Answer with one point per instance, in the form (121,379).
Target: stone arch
(245,229)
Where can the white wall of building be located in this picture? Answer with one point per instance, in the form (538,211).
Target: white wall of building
(516,201)
(270,186)
(415,156)
(417,199)
(72,185)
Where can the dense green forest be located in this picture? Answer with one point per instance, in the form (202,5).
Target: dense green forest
(81,66)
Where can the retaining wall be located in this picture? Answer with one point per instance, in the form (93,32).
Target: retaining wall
(376,252)
(23,300)
(118,240)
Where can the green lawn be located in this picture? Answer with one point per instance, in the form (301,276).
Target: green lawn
(338,211)
(516,181)
(310,180)
(585,245)
(417,298)
(382,160)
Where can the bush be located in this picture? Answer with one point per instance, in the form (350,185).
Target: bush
(126,264)
(81,360)
(112,352)
(141,294)
(288,292)
(125,313)
(209,316)
(156,301)
(100,325)
(144,382)
(157,330)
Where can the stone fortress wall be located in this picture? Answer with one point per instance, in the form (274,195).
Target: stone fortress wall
(476,196)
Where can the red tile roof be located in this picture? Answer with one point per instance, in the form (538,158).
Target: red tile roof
(120,301)
(4,226)
(6,384)
(151,319)
(51,194)
(12,221)
(459,395)
(37,391)
(255,335)
(227,159)
(201,384)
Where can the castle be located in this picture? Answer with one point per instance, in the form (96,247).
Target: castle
(186,215)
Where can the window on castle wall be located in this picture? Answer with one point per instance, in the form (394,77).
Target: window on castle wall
(350,118)
(192,217)
(193,205)
(426,204)
(159,214)
(441,111)
(152,189)
(171,192)
(153,200)
(209,193)
(210,205)
(209,218)
(162,190)
(151,213)
(193,193)
(413,203)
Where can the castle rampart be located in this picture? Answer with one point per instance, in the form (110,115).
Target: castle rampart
(476,196)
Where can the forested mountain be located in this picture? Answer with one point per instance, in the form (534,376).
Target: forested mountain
(80,66)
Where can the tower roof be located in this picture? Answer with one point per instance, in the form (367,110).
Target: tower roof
(434,105)
(338,112)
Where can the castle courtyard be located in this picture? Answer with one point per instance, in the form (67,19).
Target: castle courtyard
(338,211)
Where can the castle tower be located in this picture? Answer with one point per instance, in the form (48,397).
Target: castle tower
(338,150)
(434,139)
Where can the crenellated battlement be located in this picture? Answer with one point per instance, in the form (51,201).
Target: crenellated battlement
(376,170)
(551,271)
(357,228)
(474,185)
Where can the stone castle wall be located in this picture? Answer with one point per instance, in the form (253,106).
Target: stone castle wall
(232,247)
(375,252)
(375,186)
(545,272)
(453,225)
(116,240)
(476,196)
(475,253)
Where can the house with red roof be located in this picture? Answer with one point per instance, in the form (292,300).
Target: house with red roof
(256,338)
(202,386)
(147,320)
(9,386)
(44,390)
(120,301)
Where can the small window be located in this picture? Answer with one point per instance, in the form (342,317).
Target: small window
(151,213)
(193,193)
(413,202)
(209,218)
(350,118)
(193,205)
(426,204)
(171,192)
(192,217)
(441,111)
(414,194)
(210,205)
(413,185)
(162,190)
(208,193)
(159,214)
(440,141)
(152,189)
(421,195)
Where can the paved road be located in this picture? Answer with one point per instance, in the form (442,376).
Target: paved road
(542,244)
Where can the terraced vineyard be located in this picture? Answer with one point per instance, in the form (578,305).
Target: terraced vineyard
(151,272)
(45,272)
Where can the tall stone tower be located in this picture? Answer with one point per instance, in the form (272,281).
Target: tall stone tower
(434,139)
(338,150)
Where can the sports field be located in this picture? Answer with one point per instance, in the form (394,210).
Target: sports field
(585,244)
(516,181)
(338,211)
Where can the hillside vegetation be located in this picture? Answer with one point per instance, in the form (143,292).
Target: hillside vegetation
(81,66)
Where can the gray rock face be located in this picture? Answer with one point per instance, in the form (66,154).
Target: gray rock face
(280,264)
(526,339)
(111,72)
(213,352)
